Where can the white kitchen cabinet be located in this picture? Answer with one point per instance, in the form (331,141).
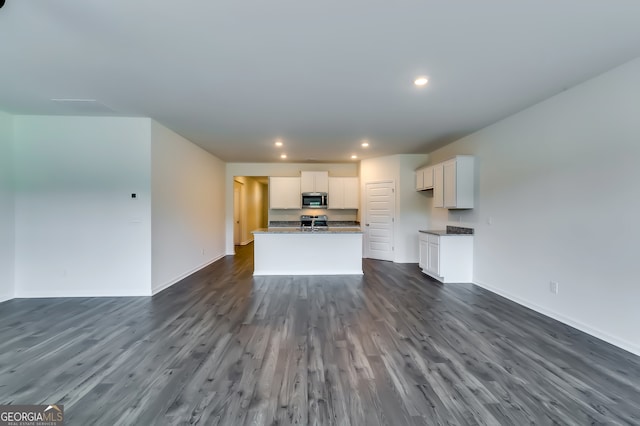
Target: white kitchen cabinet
(447,258)
(430,253)
(314,181)
(428,178)
(433,264)
(424,179)
(458,182)
(284,193)
(344,193)
(420,180)
(438,185)
(423,251)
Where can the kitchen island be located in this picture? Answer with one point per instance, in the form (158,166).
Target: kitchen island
(294,251)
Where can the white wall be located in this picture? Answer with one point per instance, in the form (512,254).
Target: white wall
(560,183)
(411,212)
(7,206)
(187,207)
(78,231)
(274,169)
(413,209)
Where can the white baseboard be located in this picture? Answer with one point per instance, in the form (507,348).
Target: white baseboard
(60,294)
(623,344)
(249,241)
(5,297)
(346,272)
(168,284)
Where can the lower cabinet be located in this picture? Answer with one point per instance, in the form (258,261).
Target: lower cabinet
(447,258)
(433,264)
(423,251)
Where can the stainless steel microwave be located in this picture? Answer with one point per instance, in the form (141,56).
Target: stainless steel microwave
(314,200)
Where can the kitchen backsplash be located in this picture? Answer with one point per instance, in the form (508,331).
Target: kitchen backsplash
(294,215)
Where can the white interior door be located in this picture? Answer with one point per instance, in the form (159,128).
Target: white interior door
(380,202)
(237,213)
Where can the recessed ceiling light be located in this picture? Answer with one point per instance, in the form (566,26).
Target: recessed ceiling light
(283,156)
(421,81)
(365,144)
(353,157)
(279,142)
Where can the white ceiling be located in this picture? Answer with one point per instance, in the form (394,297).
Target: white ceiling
(232,76)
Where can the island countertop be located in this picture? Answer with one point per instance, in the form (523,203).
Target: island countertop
(293,251)
(298,230)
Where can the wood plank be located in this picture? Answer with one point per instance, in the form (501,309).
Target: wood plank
(392,347)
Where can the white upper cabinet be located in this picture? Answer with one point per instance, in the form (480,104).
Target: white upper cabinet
(458,182)
(284,193)
(419,180)
(344,192)
(351,192)
(438,186)
(314,181)
(424,178)
(449,168)
(452,182)
(428,177)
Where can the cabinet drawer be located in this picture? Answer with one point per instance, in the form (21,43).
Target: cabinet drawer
(434,239)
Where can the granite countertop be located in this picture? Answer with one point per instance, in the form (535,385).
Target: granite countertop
(298,230)
(296,223)
(450,230)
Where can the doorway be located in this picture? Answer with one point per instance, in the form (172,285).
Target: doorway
(237,212)
(250,207)
(380,205)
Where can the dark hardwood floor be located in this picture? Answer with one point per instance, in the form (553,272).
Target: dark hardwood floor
(391,348)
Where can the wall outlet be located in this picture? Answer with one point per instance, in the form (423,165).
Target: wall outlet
(553,287)
(490,220)
(203,252)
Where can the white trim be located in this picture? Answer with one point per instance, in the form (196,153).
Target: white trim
(249,241)
(5,297)
(58,294)
(309,272)
(168,284)
(623,344)
(434,276)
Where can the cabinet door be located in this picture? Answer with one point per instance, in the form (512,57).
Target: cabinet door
(438,186)
(351,193)
(307,182)
(336,193)
(450,189)
(284,193)
(423,254)
(314,181)
(427,178)
(419,180)
(434,259)
(344,193)
(321,181)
